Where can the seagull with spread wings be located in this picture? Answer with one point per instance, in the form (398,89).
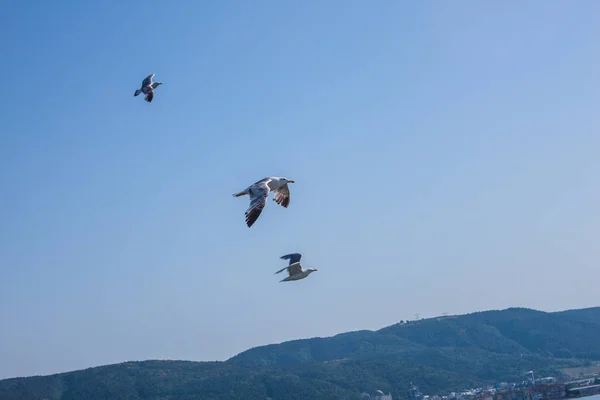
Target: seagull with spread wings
(148,88)
(295,271)
(259,192)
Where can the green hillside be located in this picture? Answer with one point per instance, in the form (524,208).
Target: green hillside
(439,354)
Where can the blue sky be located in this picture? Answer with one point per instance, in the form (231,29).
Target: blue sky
(445,156)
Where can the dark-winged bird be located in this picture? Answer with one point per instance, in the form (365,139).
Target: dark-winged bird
(259,192)
(148,88)
(294,269)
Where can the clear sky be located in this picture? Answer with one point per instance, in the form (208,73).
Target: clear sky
(446,159)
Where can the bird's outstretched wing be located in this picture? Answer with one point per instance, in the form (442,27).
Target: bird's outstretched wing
(147,81)
(258,199)
(282,196)
(292,269)
(293,257)
(281,270)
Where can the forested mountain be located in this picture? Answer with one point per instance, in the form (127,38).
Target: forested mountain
(439,354)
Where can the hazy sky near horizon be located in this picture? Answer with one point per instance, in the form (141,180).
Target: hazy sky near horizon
(445,157)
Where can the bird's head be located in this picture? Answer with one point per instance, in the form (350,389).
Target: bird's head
(286,180)
(312,270)
(158,84)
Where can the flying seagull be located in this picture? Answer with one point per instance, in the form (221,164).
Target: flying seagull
(148,88)
(294,269)
(259,192)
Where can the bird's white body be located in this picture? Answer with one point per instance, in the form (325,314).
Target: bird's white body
(297,275)
(259,192)
(272,182)
(294,269)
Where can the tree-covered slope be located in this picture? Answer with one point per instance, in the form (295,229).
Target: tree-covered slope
(440,354)
(513,331)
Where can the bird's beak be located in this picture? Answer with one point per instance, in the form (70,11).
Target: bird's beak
(290,181)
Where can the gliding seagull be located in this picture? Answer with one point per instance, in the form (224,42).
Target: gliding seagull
(259,192)
(294,269)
